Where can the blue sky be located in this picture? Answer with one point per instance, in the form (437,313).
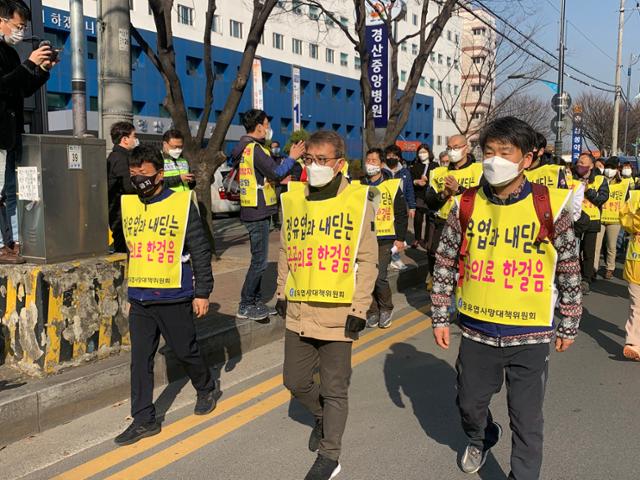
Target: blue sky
(598,21)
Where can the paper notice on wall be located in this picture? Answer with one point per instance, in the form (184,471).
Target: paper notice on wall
(28,184)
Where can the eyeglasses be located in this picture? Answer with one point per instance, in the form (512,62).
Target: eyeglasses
(322,161)
(21,27)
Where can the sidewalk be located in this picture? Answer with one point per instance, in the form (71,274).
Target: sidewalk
(29,406)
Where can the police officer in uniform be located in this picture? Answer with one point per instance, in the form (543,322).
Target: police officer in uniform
(176,169)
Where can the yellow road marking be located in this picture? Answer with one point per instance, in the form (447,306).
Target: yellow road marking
(210,434)
(114,457)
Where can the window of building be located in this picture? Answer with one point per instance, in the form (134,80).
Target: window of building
(439,139)
(329,22)
(216,24)
(432,83)
(235,28)
(319,89)
(457,39)
(414,49)
(350,93)
(314,13)
(344,60)
(356,63)
(194,113)
(92,48)
(330,55)
(455,89)
(193,65)
(185,15)
(439,113)
(432,57)
(448,87)
(344,21)
(440,58)
(403,46)
(335,92)
(414,19)
(423,82)
(456,64)
(296,46)
(479,31)
(297,7)
(439,85)
(219,69)
(284,83)
(478,60)
(477,116)
(278,41)
(313,50)
(449,61)
(476,88)
(403,75)
(449,35)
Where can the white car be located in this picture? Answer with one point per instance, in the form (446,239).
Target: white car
(219,201)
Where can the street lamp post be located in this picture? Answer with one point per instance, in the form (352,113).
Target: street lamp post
(633,59)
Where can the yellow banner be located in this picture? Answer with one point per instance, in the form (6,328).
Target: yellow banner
(617,196)
(508,279)
(588,207)
(467,177)
(321,242)
(385,217)
(249,183)
(155,235)
(548,175)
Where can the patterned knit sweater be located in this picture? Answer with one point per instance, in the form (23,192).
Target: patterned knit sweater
(567,280)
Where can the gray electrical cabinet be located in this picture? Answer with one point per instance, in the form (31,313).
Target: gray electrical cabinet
(62,198)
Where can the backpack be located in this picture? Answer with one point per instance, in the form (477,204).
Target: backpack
(541,203)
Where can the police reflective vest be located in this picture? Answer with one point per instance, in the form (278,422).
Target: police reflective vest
(508,278)
(385,218)
(321,241)
(548,175)
(467,177)
(588,207)
(617,195)
(249,183)
(175,168)
(155,234)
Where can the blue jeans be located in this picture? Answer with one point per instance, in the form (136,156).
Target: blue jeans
(259,240)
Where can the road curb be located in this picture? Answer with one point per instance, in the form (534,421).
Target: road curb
(48,402)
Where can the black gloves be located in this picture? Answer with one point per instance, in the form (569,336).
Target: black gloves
(281,308)
(354,326)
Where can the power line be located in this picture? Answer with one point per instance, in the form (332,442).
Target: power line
(533,42)
(531,54)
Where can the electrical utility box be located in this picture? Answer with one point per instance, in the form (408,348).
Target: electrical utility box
(62,198)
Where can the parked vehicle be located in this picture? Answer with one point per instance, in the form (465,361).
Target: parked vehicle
(221,201)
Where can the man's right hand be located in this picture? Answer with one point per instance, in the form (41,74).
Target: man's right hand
(451,186)
(188,177)
(297,149)
(41,55)
(441,335)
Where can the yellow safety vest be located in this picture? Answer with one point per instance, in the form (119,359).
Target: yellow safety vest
(617,196)
(155,235)
(249,183)
(588,207)
(175,168)
(467,177)
(344,170)
(321,243)
(385,218)
(627,219)
(548,175)
(508,279)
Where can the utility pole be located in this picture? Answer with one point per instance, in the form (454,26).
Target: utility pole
(632,62)
(561,49)
(78,76)
(616,103)
(116,65)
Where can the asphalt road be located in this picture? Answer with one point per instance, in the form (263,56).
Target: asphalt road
(403,421)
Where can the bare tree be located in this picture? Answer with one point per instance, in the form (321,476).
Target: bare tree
(531,109)
(426,33)
(204,156)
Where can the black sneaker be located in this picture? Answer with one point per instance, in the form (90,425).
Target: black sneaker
(316,436)
(135,432)
(323,469)
(473,458)
(271,310)
(258,312)
(205,403)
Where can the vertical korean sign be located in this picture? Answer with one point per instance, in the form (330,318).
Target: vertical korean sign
(258,94)
(378,72)
(295,98)
(576,137)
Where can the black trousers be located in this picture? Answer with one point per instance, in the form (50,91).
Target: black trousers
(328,401)
(175,323)
(481,371)
(382,296)
(588,248)
(421,224)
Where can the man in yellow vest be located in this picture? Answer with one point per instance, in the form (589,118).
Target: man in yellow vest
(326,274)
(176,169)
(542,170)
(509,247)
(619,189)
(391,228)
(258,175)
(596,193)
(447,182)
(630,220)
(169,279)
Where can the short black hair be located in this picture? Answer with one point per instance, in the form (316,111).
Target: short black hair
(275,141)
(172,133)
(612,162)
(395,149)
(377,150)
(252,118)
(119,130)
(146,152)
(510,130)
(627,163)
(541,141)
(9,7)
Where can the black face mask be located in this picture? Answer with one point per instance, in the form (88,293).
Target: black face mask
(392,162)
(144,185)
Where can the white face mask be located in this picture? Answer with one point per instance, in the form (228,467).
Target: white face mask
(424,157)
(499,171)
(16,36)
(610,172)
(319,175)
(269,134)
(136,142)
(455,155)
(626,172)
(372,170)
(175,153)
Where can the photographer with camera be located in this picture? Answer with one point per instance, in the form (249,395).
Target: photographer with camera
(18,80)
